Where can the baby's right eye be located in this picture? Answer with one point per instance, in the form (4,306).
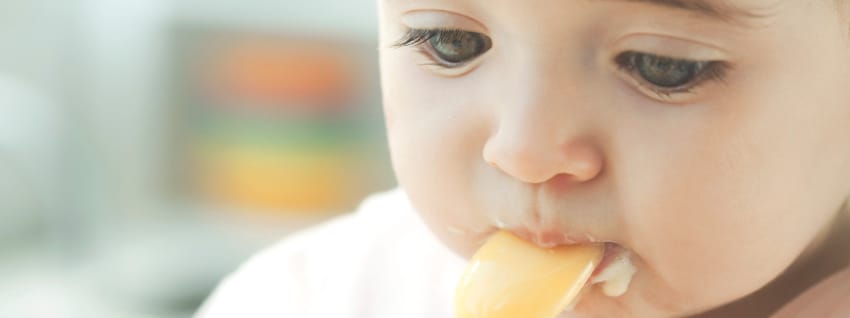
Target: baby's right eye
(449,48)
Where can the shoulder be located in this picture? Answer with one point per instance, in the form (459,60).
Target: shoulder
(344,261)
(829,298)
(278,272)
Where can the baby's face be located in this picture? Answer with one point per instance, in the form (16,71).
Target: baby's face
(712,143)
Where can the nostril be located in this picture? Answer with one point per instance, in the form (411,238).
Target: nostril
(561,180)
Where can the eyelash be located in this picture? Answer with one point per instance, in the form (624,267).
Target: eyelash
(418,38)
(714,71)
(414,37)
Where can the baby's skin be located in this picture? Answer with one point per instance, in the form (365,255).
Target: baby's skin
(709,140)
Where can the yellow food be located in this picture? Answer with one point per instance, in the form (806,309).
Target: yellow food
(509,277)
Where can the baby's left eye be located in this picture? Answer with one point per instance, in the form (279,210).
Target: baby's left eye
(448,48)
(666,75)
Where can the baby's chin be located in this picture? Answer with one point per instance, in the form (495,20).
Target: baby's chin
(644,298)
(594,303)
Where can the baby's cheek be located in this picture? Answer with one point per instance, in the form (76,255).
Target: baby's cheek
(706,266)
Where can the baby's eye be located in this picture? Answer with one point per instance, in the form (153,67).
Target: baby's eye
(666,75)
(448,48)
(457,47)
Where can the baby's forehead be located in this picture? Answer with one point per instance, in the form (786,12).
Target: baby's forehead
(732,11)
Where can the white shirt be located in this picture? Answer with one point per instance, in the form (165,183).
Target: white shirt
(378,262)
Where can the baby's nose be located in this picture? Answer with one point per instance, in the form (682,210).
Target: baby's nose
(534,154)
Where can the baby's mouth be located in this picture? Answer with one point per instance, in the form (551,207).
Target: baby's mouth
(614,272)
(509,275)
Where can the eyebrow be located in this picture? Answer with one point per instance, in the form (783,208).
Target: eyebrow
(717,10)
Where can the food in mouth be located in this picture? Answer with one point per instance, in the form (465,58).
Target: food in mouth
(509,277)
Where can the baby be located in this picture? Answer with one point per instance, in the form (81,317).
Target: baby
(706,143)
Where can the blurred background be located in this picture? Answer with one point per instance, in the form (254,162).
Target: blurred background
(148,147)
